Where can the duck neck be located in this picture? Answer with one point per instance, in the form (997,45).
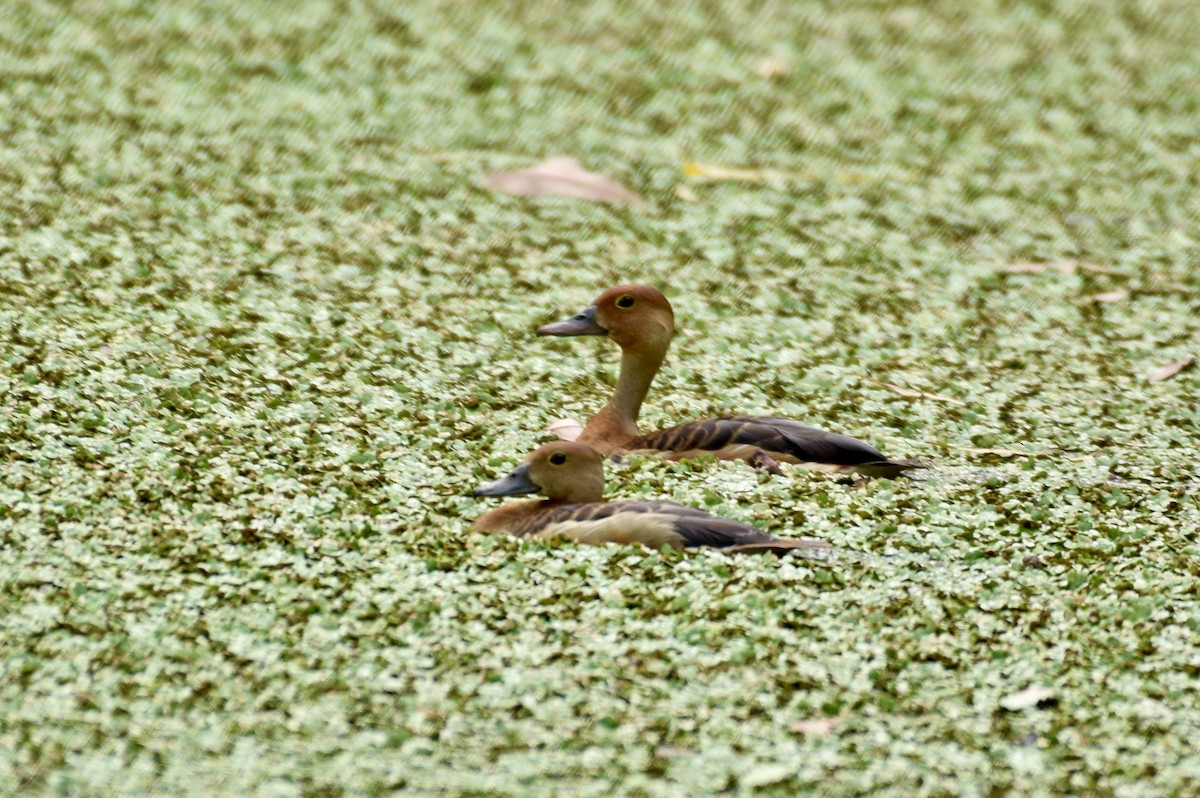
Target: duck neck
(619,417)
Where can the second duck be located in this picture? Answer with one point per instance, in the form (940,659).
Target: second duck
(639,319)
(571,476)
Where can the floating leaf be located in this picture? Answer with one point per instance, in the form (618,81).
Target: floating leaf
(1029,697)
(919,394)
(1110,297)
(565,429)
(1171,369)
(816,727)
(561,177)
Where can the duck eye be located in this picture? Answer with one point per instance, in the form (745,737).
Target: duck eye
(558,458)
(625,302)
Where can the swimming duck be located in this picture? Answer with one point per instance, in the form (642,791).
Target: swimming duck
(571,476)
(640,320)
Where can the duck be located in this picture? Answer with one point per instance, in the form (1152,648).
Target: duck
(640,320)
(570,475)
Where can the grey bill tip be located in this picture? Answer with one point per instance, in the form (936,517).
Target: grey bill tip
(516,483)
(582,323)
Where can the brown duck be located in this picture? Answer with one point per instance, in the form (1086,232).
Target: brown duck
(571,476)
(640,320)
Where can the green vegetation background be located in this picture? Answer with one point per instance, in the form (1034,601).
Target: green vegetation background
(263,330)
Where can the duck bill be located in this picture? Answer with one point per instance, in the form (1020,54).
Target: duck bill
(582,323)
(517,483)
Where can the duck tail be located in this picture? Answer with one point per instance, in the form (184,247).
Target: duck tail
(779,547)
(888,469)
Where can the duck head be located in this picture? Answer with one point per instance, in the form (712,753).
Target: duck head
(634,316)
(563,470)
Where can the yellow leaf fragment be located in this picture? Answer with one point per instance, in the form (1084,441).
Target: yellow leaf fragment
(718,173)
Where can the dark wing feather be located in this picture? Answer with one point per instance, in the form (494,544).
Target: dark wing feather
(809,444)
(780,547)
(772,435)
(835,448)
(700,528)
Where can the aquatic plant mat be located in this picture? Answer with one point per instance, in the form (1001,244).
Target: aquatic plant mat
(267,320)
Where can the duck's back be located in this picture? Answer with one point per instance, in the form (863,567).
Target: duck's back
(784,440)
(656,524)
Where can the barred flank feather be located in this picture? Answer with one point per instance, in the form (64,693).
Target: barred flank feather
(783,440)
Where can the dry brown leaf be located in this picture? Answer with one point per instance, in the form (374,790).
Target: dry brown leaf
(1171,369)
(1110,297)
(561,177)
(565,429)
(1062,267)
(919,394)
(771,67)
(816,727)
(1029,697)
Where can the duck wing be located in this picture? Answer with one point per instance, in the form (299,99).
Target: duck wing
(741,437)
(657,524)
